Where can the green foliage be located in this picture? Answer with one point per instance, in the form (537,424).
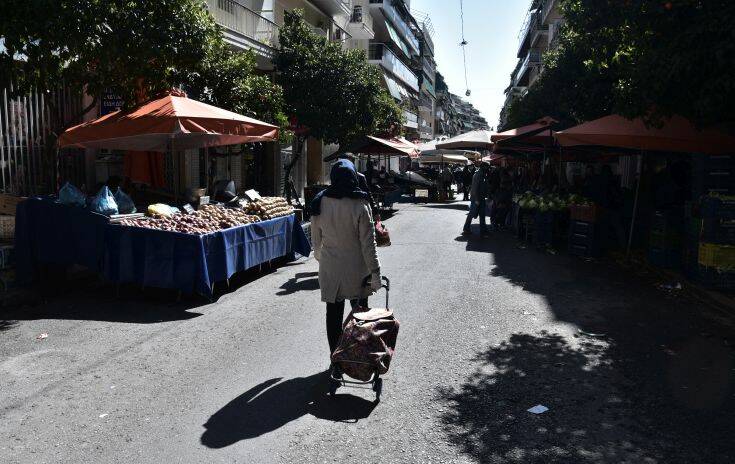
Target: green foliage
(333,93)
(228,79)
(646,58)
(135,47)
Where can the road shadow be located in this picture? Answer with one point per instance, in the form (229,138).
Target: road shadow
(6,325)
(274,403)
(648,378)
(596,414)
(301,282)
(457,206)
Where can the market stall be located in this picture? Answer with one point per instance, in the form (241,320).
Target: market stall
(473,140)
(695,234)
(373,148)
(188,248)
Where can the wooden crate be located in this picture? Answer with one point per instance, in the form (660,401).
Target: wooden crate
(7,227)
(8,203)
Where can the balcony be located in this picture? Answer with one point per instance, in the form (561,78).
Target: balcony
(532,61)
(547,8)
(532,30)
(412,121)
(392,14)
(244,28)
(334,7)
(361,24)
(429,87)
(380,54)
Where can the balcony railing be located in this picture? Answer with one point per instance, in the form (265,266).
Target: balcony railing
(378,52)
(412,120)
(426,84)
(532,25)
(237,18)
(334,7)
(547,8)
(533,58)
(394,16)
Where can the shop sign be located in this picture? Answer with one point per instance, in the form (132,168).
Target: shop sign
(110,102)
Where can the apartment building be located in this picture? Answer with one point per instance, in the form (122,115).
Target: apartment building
(425,68)
(539,33)
(254,25)
(456,116)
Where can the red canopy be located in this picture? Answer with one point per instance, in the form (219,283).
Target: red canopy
(539,138)
(677,135)
(171,120)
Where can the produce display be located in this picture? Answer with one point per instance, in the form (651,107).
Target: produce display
(269,207)
(210,218)
(548,202)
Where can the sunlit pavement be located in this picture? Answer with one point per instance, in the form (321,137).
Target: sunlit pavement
(489,329)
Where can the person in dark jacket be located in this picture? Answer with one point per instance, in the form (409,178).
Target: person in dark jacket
(467,174)
(478,198)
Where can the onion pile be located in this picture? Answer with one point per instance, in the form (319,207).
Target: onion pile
(270,207)
(207,220)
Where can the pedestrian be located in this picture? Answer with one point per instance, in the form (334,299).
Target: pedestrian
(448,179)
(343,237)
(467,174)
(478,198)
(502,201)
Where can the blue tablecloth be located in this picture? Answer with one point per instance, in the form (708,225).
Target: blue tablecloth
(192,263)
(47,232)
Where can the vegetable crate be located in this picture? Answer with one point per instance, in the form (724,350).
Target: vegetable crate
(589,213)
(543,228)
(716,256)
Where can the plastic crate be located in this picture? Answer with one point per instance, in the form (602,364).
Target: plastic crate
(713,207)
(584,213)
(716,279)
(7,256)
(716,256)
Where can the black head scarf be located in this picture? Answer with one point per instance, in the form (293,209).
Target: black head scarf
(344,185)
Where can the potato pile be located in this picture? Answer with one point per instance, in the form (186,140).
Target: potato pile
(210,218)
(270,207)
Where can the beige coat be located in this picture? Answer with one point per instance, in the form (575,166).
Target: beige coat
(343,237)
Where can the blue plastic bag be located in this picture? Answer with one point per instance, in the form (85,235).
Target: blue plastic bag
(70,195)
(125,204)
(104,202)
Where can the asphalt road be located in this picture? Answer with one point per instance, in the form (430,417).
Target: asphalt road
(629,373)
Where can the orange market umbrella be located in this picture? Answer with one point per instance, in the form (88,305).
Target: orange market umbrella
(676,135)
(536,132)
(170,121)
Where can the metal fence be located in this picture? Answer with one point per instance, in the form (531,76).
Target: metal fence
(26,125)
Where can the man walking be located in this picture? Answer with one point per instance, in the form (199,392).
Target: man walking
(467,174)
(478,197)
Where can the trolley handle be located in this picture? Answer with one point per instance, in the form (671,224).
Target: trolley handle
(385,285)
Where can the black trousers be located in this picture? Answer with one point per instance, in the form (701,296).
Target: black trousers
(335,319)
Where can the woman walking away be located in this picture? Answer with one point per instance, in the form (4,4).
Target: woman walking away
(343,236)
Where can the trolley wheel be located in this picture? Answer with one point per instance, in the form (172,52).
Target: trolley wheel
(378,387)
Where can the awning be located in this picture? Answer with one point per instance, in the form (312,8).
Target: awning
(426,150)
(676,135)
(171,120)
(474,139)
(370,145)
(442,159)
(531,134)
